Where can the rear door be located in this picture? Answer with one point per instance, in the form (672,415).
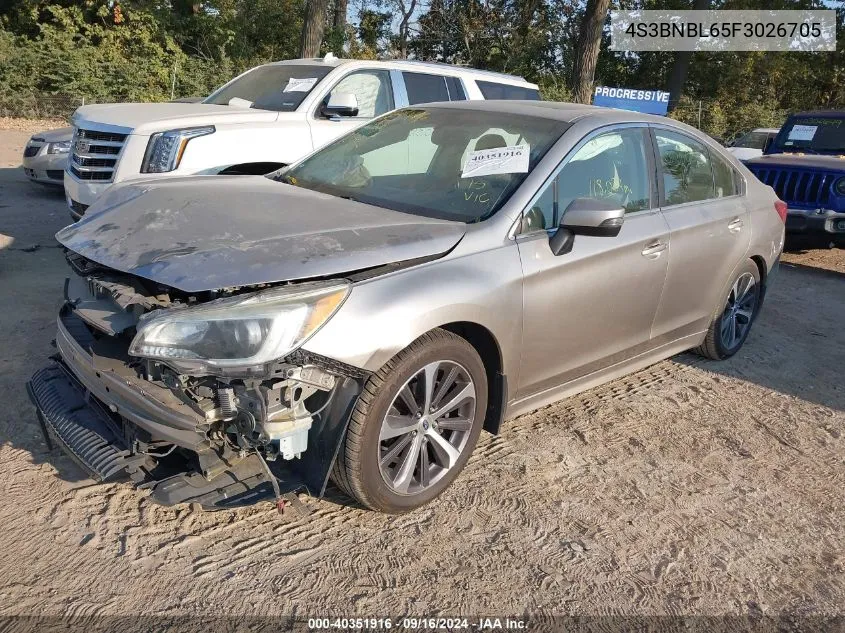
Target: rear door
(594,306)
(701,199)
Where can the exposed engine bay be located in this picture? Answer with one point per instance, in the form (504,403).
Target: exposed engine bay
(220,431)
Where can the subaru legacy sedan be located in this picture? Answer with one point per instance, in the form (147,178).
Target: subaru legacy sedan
(362,315)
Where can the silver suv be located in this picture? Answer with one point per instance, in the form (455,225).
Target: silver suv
(365,313)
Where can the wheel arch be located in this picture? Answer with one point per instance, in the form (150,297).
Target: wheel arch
(764,273)
(485,343)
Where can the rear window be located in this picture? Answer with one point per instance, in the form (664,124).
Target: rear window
(492,90)
(753,140)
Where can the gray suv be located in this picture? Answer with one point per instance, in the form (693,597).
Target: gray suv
(365,313)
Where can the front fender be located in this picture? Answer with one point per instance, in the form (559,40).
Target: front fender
(385,314)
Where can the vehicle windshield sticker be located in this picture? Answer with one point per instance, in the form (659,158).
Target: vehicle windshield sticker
(802,132)
(499,160)
(303,84)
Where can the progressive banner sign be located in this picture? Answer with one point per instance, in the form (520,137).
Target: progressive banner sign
(647,101)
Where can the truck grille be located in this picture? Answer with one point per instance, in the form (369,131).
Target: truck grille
(797,187)
(95,154)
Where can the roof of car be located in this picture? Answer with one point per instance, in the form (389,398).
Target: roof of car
(821,113)
(553,110)
(434,66)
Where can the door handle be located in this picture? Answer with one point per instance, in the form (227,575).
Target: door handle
(653,249)
(735,225)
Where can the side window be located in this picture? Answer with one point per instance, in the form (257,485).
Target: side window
(612,166)
(412,155)
(425,88)
(456,89)
(542,214)
(723,177)
(492,90)
(685,168)
(371,88)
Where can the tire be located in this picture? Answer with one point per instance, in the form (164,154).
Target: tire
(360,468)
(718,345)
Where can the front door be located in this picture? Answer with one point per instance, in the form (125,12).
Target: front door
(374,92)
(594,306)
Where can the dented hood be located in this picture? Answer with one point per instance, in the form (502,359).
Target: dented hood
(212,232)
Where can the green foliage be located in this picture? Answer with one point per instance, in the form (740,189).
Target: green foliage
(53,53)
(53,56)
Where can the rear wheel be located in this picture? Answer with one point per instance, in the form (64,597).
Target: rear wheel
(415,425)
(733,319)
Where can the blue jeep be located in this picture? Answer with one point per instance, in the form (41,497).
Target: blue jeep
(805,165)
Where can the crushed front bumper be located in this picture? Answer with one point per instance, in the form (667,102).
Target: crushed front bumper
(97,412)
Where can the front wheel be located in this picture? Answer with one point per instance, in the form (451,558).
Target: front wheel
(733,319)
(415,425)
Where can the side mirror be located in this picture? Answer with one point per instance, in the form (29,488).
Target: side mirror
(586,216)
(340,104)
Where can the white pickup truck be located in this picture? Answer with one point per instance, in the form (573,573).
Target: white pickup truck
(264,119)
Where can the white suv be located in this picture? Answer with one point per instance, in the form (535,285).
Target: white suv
(267,117)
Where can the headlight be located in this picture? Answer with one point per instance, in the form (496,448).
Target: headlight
(839,186)
(239,335)
(165,149)
(62,147)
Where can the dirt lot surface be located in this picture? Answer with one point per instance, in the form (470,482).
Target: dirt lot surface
(691,487)
(11,124)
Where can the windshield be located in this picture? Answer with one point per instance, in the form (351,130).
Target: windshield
(820,135)
(437,162)
(274,87)
(753,140)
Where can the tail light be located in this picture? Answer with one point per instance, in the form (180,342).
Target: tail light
(781,207)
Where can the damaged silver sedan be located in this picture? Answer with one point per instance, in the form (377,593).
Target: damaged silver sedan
(364,314)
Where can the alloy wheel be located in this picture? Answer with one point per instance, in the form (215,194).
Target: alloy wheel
(427,427)
(739,311)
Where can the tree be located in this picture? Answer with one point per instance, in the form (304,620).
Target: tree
(406,9)
(313,28)
(587,53)
(680,66)
(373,28)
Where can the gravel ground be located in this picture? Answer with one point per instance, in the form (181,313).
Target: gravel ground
(692,487)
(31,126)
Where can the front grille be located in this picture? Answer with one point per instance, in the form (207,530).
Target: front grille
(96,162)
(111,137)
(31,150)
(95,154)
(797,187)
(105,176)
(56,174)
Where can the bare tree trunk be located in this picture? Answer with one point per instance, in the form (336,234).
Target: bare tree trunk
(313,28)
(339,23)
(587,53)
(680,65)
(407,12)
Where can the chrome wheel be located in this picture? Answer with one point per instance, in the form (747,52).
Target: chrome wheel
(427,427)
(739,311)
